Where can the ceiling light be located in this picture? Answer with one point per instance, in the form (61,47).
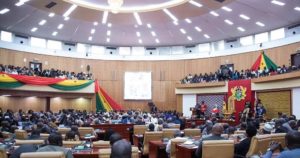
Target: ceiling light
(66,18)
(260,24)
(175,23)
(60,26)
(137,18)
(108,33)
(149,26)
(214,13)
(138,34)
(21,2)
(227,9)
(140,41)
(206,36)
(54,33)
(93,31)
(188,20)
(43,22)
(228,22)
(241,29)
(109,25)
(195,3)
(34,29)
(157,40)
(5,10)
(278,2)
(182,31)
(95,23)
(153,33)
(70,10)
(136,26)
(243,16)
(90,38)
(6,95)
(104,18)
(51,14)
(198,28)
(297,8)
(170,14)
(115,5)
(107,39)
(189,38)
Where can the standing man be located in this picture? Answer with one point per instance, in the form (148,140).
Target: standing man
(260,109)
(197,109)
(203,109)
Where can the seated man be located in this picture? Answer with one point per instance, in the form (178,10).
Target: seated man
(217,130)
(121,149)
(241,149)
(55,142)
(177,135)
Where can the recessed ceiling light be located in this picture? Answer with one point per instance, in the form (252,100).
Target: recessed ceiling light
(241,29)
(153,33)
(243,16)
(140,41)
(108,33)
(5,10)
(137,18)
(21,2)
(70,10)
(157,40)
(228,22)
(51,14)
(278,3)
(60,26)
(170,15)
(198,28)
(104,18)
(206,36)
(34,29)
(95,23)
(109,25)
(297,8)
(93,31)
(189,38)
(227,9)
(182,31)
(149,26)
(175,23)
(90,38)
(214,13)
(107,39)
(54,33)
(260,24)
(43,22)
(136,26)
(195,3)
(66,18)
(188,20)
(138,34)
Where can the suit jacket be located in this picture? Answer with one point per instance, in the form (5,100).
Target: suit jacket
(213,137)
(241,149)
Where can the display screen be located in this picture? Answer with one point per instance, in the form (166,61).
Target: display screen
(137,86)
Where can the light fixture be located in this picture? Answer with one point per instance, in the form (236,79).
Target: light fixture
(5,10)
(140,41)
(182,31)
(189,38)
(115,5)
(93,31)
(60,26)
(70,10)
(6,95)
(42,22)
(104,18)
(214,13)
(54,33)
(260,24)
(153,33)
(243,16)
(157,40)
(90,38)
(138,34)
(136,26)
(21,2)
(206,36)
(241,29)
(278,3)
(195,3)
(34,29)
(51,14)
(66,18)
(227,9)
(175,23)
(109,25)
(95,23)
(198,28)
(228,22)
(108,33)
(188,20)
(107,39)
(170,14)
(149,26)
(297,8)
(137,18)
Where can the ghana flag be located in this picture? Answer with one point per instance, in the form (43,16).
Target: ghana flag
(263,61)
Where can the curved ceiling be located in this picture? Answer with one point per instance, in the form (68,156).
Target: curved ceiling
(197,21)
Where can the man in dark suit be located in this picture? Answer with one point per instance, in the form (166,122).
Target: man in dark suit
(121,149)
(241,149)
(217,130)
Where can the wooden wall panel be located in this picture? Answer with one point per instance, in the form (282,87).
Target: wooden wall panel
(24,103)
(165,74)
(58,103)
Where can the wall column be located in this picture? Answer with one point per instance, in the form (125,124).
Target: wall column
(47,104)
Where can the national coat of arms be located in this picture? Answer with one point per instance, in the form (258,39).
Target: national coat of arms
(238,93)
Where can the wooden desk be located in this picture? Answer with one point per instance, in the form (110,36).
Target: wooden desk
(201,122)
(185,151)
(137,138)
(122,129)
(86,153)
(157,149)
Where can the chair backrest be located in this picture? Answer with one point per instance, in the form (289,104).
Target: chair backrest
(71,144)
(175,141)
(139,129)
(6,135)
(104,153)
(259,144)
(52,154)
(218,148)
(149,136)
(240,132)
(85,130)
(135,152)
(101,144)
(36,142)
(3,153)
(177,126)
(279,137)
(63,130)
(44,136)
(21,134)
(169,132)
(189,132)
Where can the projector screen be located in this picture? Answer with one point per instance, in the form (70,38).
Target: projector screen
(137,86)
